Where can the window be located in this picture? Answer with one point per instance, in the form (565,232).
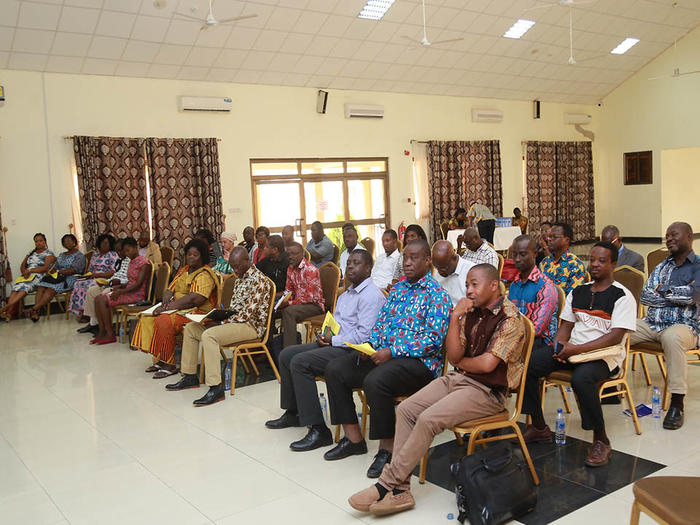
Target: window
(638,168)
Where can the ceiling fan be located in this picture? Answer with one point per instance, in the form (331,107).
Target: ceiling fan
(425,42)
(676,71)
(211,21)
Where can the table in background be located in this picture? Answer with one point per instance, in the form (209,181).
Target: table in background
(502,237)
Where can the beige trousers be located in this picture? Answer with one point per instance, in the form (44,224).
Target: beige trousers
(212,339)
(443,403)
(675,340)
(92,293)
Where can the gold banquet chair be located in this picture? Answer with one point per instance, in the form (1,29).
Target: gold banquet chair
(330,280)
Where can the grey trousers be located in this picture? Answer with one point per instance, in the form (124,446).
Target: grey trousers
(294,314)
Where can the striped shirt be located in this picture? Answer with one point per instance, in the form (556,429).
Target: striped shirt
(536,298)
(484,254)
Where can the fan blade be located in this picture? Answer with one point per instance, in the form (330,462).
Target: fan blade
(188,17)
(545,6)
(688,73)
(446,41)
(411,40)
(236,19)
(659,78)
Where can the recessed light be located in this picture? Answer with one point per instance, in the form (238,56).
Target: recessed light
(624,46)
(519,28)
(375,9)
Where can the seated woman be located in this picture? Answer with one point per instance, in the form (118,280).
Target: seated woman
(228,241)
(61,277)
(195,287)
(133,291)
(33,268)
(101,267)
(459,220)
(413,232)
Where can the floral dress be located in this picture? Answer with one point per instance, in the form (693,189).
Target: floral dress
(136,296)
(99,263)
(63,262)
(34,260)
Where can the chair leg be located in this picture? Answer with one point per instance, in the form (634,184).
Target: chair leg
(459,438)
(526,453)
(645,368)
(666,402)
(634,362)
(423,468)
(252,363)
(234,361)
(634,518)
(365,413)
(630,403)
(662,367)
(565,398)
(336,438)
(543,391)
(272,363)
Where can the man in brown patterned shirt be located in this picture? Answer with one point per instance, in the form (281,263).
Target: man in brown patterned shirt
(484,344)
(250,300)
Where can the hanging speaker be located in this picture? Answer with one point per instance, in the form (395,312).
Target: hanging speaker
(321,100)
(535,109)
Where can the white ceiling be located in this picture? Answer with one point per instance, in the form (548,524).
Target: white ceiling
(322,43)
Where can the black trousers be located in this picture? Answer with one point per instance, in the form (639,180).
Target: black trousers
(486,229)
(584,383)
(298,366)
(397,377)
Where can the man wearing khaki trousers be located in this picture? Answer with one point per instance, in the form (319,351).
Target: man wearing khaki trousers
(250,302)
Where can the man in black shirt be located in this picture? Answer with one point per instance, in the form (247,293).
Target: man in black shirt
(274,264)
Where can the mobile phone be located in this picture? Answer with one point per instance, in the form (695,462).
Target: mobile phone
(558,347)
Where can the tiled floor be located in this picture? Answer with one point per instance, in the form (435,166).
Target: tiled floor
(87,437)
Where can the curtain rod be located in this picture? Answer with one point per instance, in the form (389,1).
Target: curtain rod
(71,137)
(412,141)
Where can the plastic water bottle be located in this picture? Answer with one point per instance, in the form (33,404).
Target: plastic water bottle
(227,377)
(121,334)
(324,407)
(560,430)
(656,402)
(359,420)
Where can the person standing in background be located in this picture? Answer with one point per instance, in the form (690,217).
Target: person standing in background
(481,217)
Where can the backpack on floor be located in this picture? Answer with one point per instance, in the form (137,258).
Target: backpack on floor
(493,486)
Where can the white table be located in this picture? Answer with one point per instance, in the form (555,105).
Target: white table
(452,236)
(502,237)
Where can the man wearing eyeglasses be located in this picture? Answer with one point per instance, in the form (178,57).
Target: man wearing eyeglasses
(562,266)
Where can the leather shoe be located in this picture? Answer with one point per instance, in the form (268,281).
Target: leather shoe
(673,419)
(393,503)
(89,329)
(345,449)
(215,394)
(599,454)
(286,420)
(382,458)
(532,434)
(314,439)
(186,381)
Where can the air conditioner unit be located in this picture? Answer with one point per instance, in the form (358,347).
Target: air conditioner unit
(363,111)
(218,104)
(577,118)
(487,115)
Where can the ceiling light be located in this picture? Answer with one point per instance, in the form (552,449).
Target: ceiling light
(519,28)
(624,46)
(375,9)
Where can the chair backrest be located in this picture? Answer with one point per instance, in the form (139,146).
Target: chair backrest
(162,280)
(501,263)
(655,257)
(336,254)
(151,280)
(270,310)
(227,289)
(527,352)
(587,278)
(633,280)
(307,255)
(330,279)
(368,244)
(88,256)
(561,299)
(167,254)
(444,227)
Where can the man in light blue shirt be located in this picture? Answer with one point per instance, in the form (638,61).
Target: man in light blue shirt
(356,312)
(320,246)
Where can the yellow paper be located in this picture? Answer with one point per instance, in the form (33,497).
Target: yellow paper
(87,274)
(365,348)
(103,282)
(330,323)
(54,274)
(25,279)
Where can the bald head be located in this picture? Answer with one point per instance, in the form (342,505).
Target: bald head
(472,239)
(239,260)
(679,239)
(444,258)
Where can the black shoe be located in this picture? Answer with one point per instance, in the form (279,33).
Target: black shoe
(215,394)
(88,329)
(612,400)
(186,381)
(314,439)
(286,420)
(673,419)
(382,458)
(345,449)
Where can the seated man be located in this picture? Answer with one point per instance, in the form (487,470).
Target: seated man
(478,250)
(320,246)
(543,243)
(356,313)
(520,220)
(596,315)
(385,265)
(149,249)
(275,262)
(408,339)
(532,293)
(450,270)
(306,299)
(672,295)
(250,300)
(248,241)
(350,241)
(288,235)
(562,266)
(484,344)
(625,256)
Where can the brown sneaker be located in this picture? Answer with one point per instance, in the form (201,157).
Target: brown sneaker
(599,454)
(393,503)
(532,434)
(362,500)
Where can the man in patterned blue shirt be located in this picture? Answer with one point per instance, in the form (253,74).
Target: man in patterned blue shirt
(408,338)
(672,294)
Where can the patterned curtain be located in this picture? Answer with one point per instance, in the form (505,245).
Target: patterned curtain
(559,177)
(112,186)
(461,172)
(185,189)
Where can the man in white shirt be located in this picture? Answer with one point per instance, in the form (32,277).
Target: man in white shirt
(386,262)
(478,250)
(350,241)
(450,270)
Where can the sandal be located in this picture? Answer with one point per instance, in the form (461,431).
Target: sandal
(152,368)
(165,373)
(106,341)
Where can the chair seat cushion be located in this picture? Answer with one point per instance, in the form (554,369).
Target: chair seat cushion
(648,346)
(673,498)
(501,416)
(561,375)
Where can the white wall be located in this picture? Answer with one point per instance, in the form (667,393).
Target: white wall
(680,182)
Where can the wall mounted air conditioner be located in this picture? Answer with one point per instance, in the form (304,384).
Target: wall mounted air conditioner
(487,115)
(577,118)
(363,111)
(216,104)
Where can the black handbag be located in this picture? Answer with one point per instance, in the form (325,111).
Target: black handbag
(493,486)
(48,278)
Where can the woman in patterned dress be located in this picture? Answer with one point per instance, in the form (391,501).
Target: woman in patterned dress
(194,288)
(64,273)
(101,267)
(133,291)
(33,268)
(228,242)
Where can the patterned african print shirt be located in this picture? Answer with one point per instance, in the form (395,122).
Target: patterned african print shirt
(414,321)
(304,282)
(568,271)
(536,298)
(250,299)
